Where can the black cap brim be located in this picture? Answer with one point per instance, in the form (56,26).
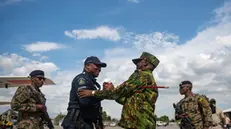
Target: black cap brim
(101,64)
(135,61)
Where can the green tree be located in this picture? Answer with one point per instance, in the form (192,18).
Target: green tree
(172,120)
(58,118)
(109,118)
(156,117)
(104,115)
(164,118)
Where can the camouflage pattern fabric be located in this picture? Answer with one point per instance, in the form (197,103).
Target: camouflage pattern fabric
(216,127)
(24,102)
(197,109)
(138,104)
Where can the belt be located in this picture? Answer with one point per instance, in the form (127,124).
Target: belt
(30,115)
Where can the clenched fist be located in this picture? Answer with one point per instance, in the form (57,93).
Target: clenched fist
(108,86)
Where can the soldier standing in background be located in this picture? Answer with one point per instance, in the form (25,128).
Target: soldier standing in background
(227,121)
(24,101)
(218,116)
(138,103)
(194,107)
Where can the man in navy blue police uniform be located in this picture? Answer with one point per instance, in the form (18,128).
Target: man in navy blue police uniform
(84,113)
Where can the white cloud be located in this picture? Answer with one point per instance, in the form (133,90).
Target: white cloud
(103,32)
(26,68)
(8,2)
(223,14)
(41,57)
(9,62)
(134,1)
(15,65)
(155,41)
(225,40)
(205,60)
(42,46)
(12,1)
(36,54)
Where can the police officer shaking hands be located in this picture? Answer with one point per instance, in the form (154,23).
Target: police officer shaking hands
(84,113)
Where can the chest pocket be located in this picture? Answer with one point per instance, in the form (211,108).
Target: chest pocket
(34,94)
(191,106)
(42,98)
(194,107)
(91,84)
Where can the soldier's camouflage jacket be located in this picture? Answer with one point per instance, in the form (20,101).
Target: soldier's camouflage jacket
(24,101)
(197,109)
(138,103)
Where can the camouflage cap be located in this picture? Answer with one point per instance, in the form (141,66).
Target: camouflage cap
(150,58)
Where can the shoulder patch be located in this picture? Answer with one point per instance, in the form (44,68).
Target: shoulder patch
(202,100)
(81,81)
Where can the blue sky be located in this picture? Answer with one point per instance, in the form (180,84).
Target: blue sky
(41,20)
(187,36)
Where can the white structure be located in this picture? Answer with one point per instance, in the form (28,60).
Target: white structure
(228,112)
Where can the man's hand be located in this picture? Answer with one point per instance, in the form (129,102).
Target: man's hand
(84,93)
(108,86)
(41,107)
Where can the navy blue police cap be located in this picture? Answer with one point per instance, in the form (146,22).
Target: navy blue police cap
(36,73)
(95,60)
(185,82)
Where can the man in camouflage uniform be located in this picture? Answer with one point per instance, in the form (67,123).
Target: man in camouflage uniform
(24,101)
(138,102)
(194,107)
(218,116)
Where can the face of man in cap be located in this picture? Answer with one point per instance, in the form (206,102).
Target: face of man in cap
(141,64)
(93,65)
(38,80)
(94,69)
(184,88)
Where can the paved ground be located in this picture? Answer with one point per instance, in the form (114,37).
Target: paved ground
(167,127)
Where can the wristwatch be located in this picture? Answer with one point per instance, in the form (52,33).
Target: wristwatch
(93,93)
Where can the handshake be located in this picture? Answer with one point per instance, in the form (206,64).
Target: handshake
(86,93)
(108,86)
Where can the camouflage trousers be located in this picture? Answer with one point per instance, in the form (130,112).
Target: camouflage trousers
(29,124)
(216,127)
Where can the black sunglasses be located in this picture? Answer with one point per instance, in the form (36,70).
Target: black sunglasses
(41,78)
(97,67)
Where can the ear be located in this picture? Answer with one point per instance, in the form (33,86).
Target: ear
(87,66)
(190,88)
(32,78)
(146,63)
